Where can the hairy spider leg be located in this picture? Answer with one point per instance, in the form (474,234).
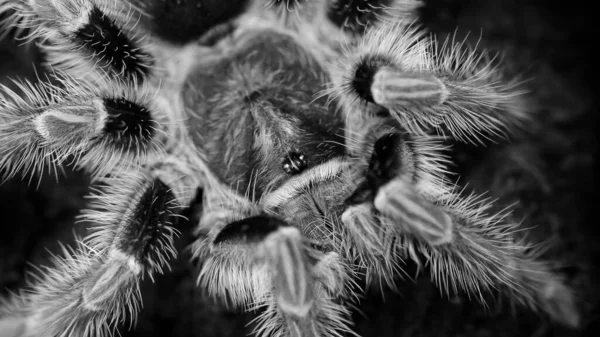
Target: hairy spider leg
(350,17)
(397,70)
(89,39)
(98,130)
(94,286)
(260,262)
(466,246)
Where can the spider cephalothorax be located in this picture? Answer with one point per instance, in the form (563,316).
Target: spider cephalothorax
(313,130)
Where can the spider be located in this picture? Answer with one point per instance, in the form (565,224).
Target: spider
(312,132)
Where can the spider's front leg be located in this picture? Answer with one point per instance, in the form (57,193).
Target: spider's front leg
(395,70)
(95,286)
(466,246)
(260,262)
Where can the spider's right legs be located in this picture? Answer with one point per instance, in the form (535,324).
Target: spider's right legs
(398,71)
(466,246)
(94,287)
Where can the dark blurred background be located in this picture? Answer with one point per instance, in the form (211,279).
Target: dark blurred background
(550,172)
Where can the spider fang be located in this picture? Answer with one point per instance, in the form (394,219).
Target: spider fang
(391,157)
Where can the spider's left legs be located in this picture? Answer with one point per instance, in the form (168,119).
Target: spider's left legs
(258,261)
(397,70)
(95,286)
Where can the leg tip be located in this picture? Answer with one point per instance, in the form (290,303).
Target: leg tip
(13,327)
(559,303)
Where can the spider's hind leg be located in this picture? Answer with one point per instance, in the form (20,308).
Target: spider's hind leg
(95,286)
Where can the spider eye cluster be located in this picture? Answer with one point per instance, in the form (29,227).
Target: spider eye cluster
(294,163)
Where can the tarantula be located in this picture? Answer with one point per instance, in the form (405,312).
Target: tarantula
(312,132)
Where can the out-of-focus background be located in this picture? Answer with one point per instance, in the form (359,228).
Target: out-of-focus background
(549,171)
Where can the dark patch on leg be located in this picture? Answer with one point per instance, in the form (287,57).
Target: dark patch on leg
(144,232)
(385,165)
(104,39)
(355,15)
(184,21)
(249,230)
(288,4)
(363,76)
(128,125)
